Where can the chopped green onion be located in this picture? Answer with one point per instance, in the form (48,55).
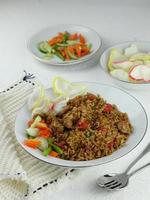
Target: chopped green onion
(88,134)
(65,37)
(57,149)
(50,141)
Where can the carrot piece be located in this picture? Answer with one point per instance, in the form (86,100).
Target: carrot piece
(45,133)
(63,53)
(85,51)
(52,41)
(71,49)
(73,36)
(82,39)
(54,154)
(60,34)
(66,54)
(55,40)
(78,50)
(33,143)
(41,125)
(30,122)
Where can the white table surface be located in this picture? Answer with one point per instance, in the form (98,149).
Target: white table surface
(116,21)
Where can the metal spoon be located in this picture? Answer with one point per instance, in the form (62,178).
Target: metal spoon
(118,181)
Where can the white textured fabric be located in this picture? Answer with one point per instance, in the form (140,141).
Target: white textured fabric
(20,173)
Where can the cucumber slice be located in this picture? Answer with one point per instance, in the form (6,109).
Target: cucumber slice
(48,56)
(71,55)
(47,151)
(72,42)
(89,46)
(44,47)
(37,120)
(59,55)
(43,145)
(32,131)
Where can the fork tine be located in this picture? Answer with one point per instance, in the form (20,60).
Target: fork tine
(115,186)
(107,175)
(110,182)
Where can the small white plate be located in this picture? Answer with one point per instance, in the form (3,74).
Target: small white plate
(124,101)
(143,46)
(91,36)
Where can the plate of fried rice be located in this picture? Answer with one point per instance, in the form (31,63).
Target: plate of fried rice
(92,128)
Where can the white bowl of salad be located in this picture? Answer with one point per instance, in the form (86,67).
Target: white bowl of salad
(65,44)
(128,64)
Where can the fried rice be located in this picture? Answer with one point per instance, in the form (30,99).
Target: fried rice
(88,128)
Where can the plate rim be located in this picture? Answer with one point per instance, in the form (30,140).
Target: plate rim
(75,166)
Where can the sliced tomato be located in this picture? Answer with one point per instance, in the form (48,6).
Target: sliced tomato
(82,124)
(91,97)
(108,107)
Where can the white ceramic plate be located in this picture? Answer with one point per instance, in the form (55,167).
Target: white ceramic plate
(143,46)
(91,36)
(124,101)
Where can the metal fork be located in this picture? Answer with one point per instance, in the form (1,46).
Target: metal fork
(118,181)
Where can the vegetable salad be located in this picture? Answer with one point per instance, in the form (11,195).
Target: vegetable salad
(65,46)
(41,137)
(38,134)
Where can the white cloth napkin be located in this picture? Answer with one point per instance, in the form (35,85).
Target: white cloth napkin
(21,175)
